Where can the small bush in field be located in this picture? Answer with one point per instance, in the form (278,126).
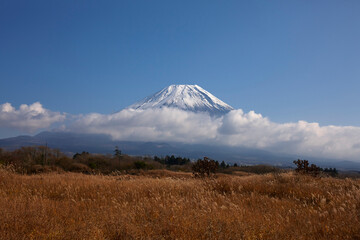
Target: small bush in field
(64,162)
(80,167)
(304,167)
(140,164)
(204,167)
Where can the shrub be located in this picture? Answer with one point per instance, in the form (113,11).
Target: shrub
(81,155)
(37,168)
(304,167)
(64,162)
(80,167)
(140,165)
(204,167)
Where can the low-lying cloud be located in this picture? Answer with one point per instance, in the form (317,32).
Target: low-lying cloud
(165,124)
(28,118)
(304,138)
(235,128)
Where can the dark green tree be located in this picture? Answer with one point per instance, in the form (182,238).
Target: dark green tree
(79,155)
(223,164)
(117,152)
(140,165)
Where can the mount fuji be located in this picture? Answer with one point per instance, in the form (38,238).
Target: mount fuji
(185,97)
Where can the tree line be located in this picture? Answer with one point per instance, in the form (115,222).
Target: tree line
(44,159)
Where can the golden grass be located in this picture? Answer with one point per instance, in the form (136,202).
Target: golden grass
(166,205)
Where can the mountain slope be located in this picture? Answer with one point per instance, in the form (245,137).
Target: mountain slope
(185,97)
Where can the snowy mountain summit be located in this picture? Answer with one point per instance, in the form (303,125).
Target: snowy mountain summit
(185,97)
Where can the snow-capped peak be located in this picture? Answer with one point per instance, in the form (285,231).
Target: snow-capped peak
(186,97)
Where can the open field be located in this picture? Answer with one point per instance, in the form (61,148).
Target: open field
(162,204)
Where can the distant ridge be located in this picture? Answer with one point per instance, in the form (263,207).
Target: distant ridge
(70,143)
(185,97)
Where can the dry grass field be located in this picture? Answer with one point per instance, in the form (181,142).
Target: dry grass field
(161,204)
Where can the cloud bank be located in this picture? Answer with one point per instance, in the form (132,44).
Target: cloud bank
(28,118)
(235,128)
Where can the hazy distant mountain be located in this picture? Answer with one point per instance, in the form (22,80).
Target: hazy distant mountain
(78,142)
(99,143)
(185,97)
(71,143)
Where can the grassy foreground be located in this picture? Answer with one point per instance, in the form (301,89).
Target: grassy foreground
(169,205)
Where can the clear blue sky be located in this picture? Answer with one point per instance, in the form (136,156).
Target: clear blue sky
(288,60)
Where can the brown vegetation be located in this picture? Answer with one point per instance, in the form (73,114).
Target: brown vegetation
(160,204)
(42,159)
(205,167)
(304,167)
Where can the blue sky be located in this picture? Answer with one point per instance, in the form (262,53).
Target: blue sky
(288,60)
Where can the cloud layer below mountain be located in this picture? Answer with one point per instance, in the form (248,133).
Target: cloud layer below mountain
(233,129)
(236,128)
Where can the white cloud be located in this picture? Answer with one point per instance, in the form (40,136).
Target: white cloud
(28,118)
(253,130)
(166,124)
(235,129)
